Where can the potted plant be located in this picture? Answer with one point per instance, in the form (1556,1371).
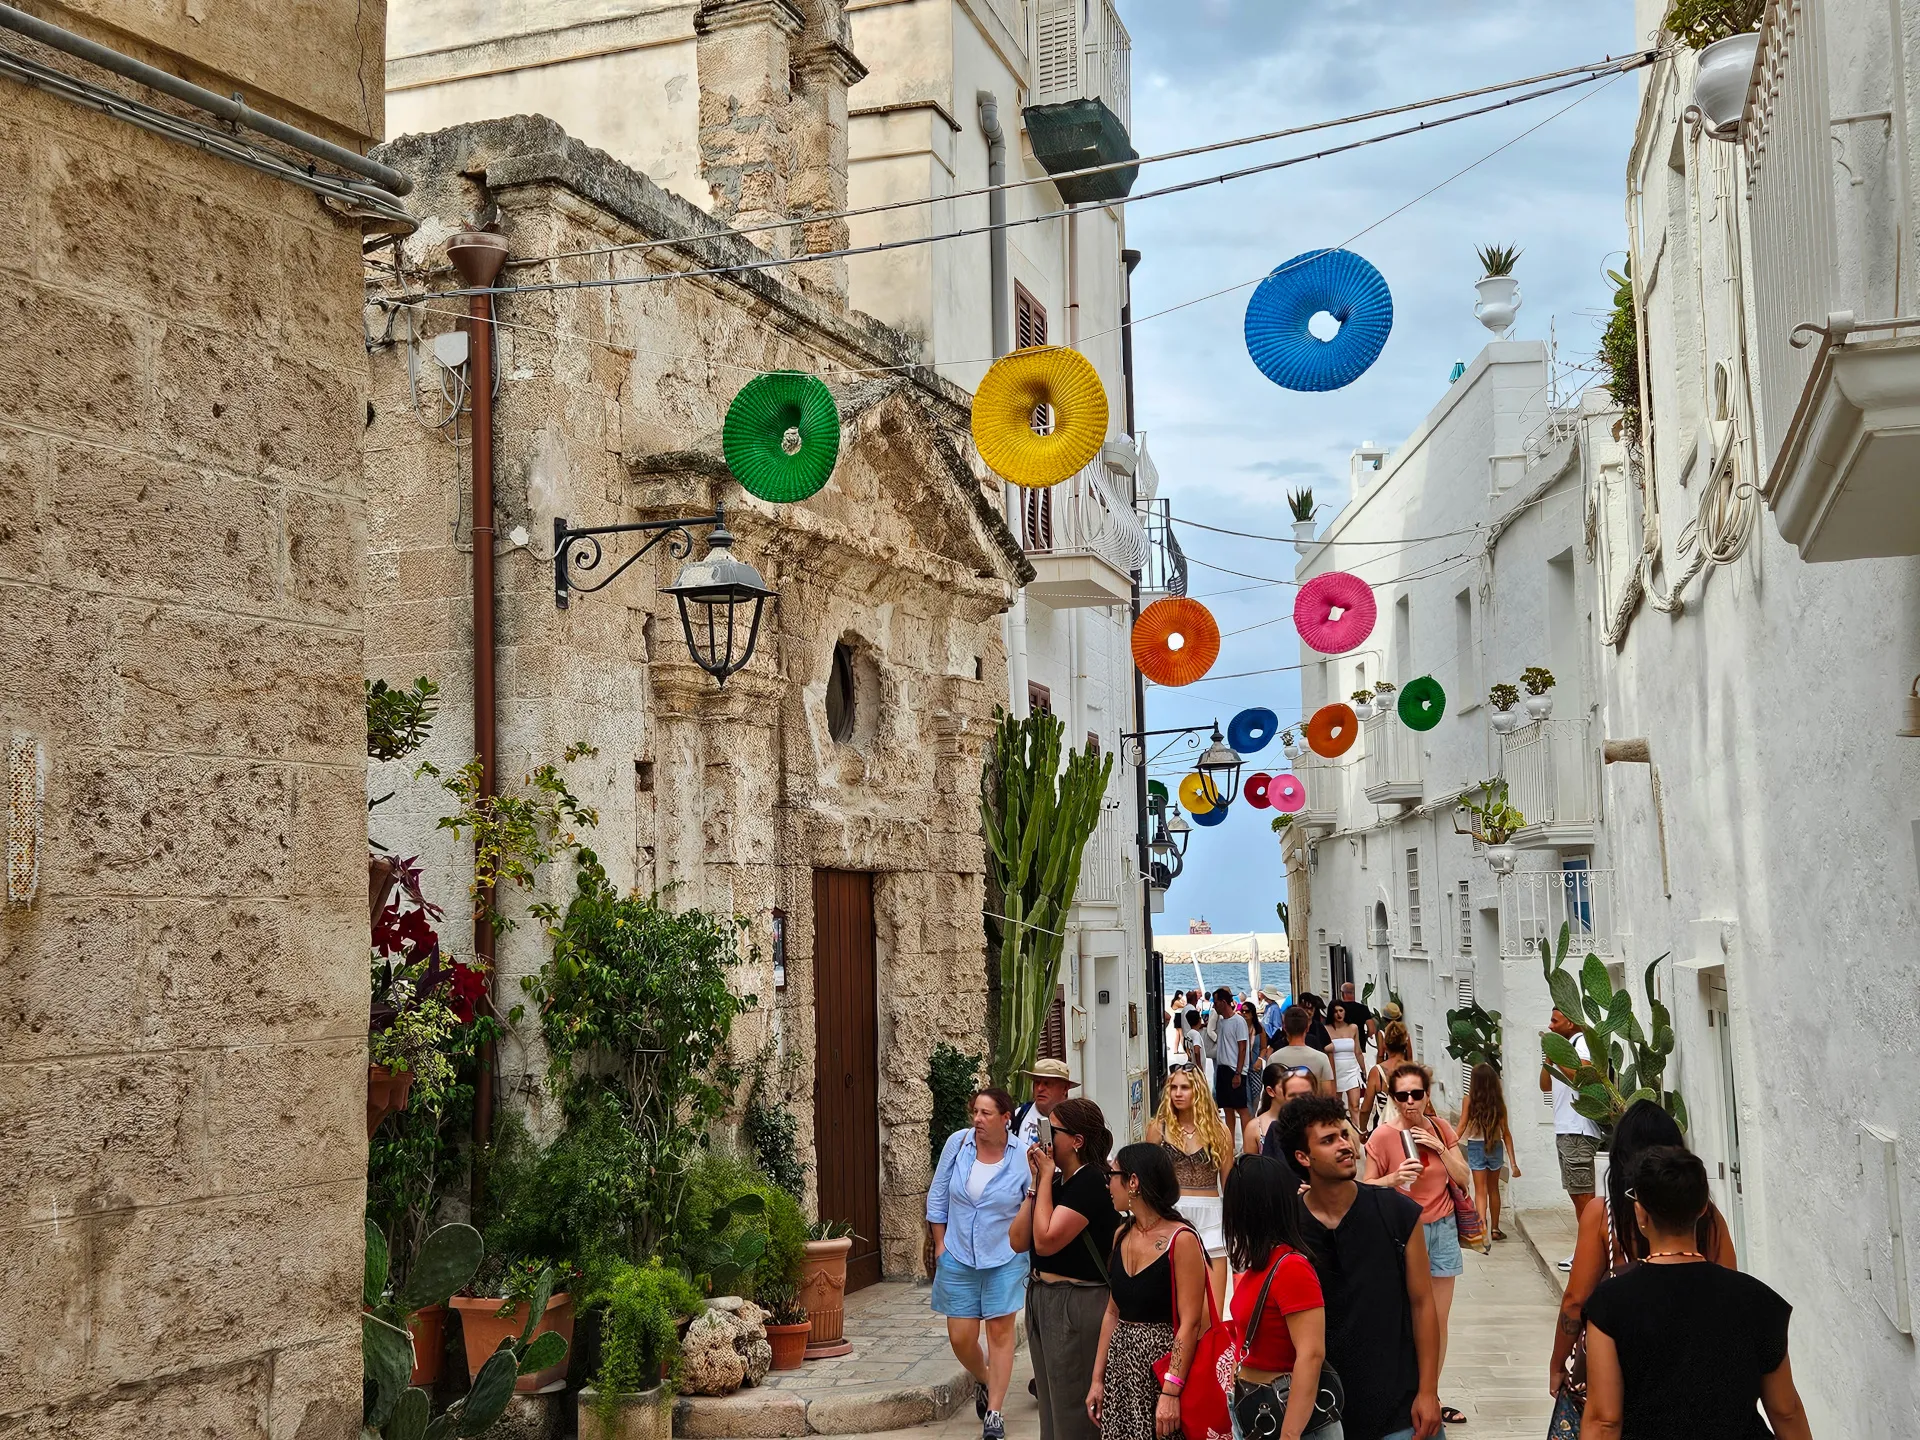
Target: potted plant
(1290,744)
(1300,502)
(644,1310)
(526,1297)
(1725,34)
(1499,302)
(1362,704)
(1383,697)
(788,1326)
(1539,681)
(1503,697)
(823,1286)
(1494,823)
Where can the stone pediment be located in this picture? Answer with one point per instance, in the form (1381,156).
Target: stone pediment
(903,492)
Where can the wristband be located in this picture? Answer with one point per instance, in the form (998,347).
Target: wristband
(1177,1381)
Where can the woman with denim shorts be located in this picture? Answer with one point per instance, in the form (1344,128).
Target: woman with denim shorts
(1489,1140)
(1441,1159)
(978,1279)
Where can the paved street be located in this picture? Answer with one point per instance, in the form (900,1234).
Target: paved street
(1502,1332)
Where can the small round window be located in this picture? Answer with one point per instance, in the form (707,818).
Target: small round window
(840,695)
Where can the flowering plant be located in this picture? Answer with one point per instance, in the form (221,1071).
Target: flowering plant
(423,1003)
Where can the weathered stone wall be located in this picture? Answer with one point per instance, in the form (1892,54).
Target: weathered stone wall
(182,1031)
(608,410)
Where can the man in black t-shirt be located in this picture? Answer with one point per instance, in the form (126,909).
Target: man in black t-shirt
(1316,1008)
(1383,1333)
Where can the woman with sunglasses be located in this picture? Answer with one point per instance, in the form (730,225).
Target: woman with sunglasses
(1158,1274)
(1409,1131)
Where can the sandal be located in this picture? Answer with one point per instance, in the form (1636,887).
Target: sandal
(1499,1234)
(1451,1416)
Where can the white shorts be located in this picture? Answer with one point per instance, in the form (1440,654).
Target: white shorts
(1203,1213)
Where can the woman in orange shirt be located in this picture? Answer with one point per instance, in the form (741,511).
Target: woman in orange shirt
(1411,1129)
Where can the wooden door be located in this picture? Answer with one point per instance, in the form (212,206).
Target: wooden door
(846,1084)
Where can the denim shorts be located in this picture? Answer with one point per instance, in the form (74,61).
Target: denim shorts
(1482,1156)
(1443,1249)
(962,1292)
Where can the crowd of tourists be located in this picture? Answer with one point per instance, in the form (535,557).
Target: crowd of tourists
(1278,1260)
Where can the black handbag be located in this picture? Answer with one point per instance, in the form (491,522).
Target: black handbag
(1260,1407)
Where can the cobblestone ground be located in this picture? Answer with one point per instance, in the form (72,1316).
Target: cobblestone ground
(1502,1334)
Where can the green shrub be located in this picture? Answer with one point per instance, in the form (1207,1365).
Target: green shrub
(1698,23)
(952,1077)
(774,1135)
(642,1308)
(715,1186)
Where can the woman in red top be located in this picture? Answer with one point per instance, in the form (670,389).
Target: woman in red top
(1441,1159)
(1260,1213)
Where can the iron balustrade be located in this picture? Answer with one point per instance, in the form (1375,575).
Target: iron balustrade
(1549,770)
(1534,904)
(1394,765)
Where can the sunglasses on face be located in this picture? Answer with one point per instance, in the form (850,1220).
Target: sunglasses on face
(1409,1094)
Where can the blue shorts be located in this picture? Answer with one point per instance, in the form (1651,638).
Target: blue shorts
(1482,1156)
(964,1293)
(1443,1249)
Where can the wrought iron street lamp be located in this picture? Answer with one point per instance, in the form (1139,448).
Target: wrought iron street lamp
(721,597)
(1219,769)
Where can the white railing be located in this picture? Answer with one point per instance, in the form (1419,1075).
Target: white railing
(1107,864)
(1785,132)
(1549,770)
(1081,51)
(1394,761)
(1083,516)
(1534,904)
(1321,777)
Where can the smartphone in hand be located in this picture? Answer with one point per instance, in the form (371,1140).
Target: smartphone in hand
(1046,1132)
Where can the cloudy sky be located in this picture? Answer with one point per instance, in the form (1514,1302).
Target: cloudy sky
(1227,442)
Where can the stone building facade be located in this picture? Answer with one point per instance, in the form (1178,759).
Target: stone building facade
(750,799)
(182,1038)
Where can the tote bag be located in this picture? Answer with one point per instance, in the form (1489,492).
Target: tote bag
(1204,1414)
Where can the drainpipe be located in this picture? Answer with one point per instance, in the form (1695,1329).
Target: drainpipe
(478,256)
(1014,624)
(1156,981)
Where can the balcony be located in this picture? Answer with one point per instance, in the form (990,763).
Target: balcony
(1083,540)
(1321,777)
(1549,767)
(1107,865)
(1165,572)
(1534,904)
(1082,95)
(1394,768)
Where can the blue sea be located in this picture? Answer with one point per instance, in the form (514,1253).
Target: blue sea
(1179,975)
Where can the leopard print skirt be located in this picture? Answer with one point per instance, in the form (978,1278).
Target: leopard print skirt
(1132,1391)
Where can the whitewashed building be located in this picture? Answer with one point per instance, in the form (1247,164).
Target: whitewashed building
(1472,535)
(927,99)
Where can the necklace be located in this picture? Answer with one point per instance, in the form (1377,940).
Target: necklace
(1675,1255)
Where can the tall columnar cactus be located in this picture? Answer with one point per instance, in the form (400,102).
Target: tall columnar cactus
(1628,1062)
(1037,818)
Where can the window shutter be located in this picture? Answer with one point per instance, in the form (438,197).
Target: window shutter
(1053,1039)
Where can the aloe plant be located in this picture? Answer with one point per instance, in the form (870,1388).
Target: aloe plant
(1629,1062)
(390,1409)
(1498,259)
(1037,816)
(1300,502)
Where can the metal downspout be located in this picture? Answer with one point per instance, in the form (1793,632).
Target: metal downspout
(1014,625)
(479,255)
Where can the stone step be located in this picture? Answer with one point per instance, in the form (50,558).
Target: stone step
(764,1414)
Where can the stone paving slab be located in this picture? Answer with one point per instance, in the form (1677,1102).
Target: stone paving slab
(1550,1236)
(901,1374)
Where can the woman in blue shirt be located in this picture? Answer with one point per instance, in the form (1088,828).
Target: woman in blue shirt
(977,1190)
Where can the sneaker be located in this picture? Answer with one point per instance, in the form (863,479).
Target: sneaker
(993,1426)
(1566,1264)
(1033,1389)
(979,1400)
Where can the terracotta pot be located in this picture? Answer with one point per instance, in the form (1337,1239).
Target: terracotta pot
(386,1093)
(823,1289)
(789,1344)
(429,1327)
(482,1328)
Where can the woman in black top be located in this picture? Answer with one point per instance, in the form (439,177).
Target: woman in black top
(1158,1275)
(1067,1222)
(1679,1348)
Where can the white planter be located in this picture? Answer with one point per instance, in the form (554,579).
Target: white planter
(1505,721)
(1720,81)
(1499,302)
(1501,858)
(1303,532)
(1539,707)
(1362,709)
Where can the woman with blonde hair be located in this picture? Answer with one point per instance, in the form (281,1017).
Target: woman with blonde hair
(1395,1046)
(1188,1127)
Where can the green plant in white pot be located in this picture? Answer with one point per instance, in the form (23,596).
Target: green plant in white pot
(1499,291)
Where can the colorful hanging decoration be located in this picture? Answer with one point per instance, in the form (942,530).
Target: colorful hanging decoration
(1014,390)
(1332,730)
(1422,703)
(1198,794)
(1256,790)
(1175,641)
(1250,730)
(1337,282)
(1334,613)
(1210,818)
(1286,793)
(1157,791)
(772,412)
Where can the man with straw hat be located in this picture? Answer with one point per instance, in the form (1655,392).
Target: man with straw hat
(1051,1082)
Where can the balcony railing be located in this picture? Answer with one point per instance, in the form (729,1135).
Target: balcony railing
(1079,520)
(1549,767)
(1081,51)
(1107,865)
(1322,779)
(1165,572)
(1534,904)
(1394,770)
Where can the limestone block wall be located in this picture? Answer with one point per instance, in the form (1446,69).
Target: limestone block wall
(182,1028)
